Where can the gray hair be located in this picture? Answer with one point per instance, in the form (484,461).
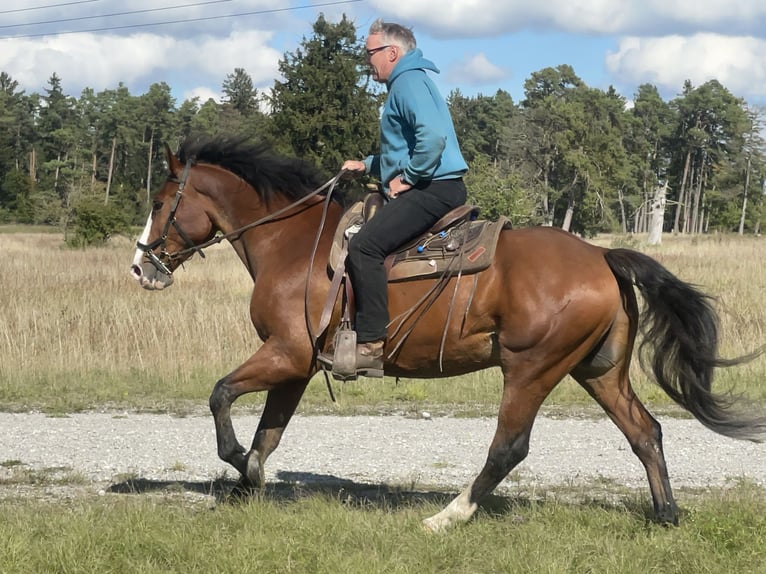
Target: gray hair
(394,34)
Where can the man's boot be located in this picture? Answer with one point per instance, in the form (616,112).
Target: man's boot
(369,359)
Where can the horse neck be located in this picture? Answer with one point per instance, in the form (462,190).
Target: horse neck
(264,247)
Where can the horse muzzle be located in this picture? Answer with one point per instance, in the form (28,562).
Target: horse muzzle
(149,277)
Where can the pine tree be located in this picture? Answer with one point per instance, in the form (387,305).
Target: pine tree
(324,109)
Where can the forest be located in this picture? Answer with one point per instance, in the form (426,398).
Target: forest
(568,155)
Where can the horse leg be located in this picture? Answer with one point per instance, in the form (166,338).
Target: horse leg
(281,403)
(265,370)
(522,397)
(605,378)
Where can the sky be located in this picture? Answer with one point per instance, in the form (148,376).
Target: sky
(480,46)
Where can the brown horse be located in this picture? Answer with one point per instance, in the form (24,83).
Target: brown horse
(549,305)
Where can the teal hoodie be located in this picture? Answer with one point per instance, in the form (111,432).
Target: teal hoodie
(417,138)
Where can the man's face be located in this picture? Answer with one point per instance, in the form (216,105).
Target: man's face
(381,57)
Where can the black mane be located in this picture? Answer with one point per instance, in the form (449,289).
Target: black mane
(268,173)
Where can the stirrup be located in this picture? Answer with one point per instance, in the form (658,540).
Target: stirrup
(342,363)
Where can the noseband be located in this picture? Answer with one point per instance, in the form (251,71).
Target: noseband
(149,248)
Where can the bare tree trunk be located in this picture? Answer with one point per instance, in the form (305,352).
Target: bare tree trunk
(93,171)
(689,204)
(149,170)
(682,192)
(623,217)
(658,215)
(56,173)
(645,212)
(547,208)
(111,170)
(696,226)
(744,198)
(569,214)
(33,165)
(640,218)
(571,202)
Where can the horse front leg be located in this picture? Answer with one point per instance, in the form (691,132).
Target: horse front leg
(266,370)
(225,392)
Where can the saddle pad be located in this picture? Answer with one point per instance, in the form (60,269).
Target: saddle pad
(467,247)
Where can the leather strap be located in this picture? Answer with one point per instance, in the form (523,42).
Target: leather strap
(332,296)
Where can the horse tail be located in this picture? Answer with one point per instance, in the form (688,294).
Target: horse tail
(680,341)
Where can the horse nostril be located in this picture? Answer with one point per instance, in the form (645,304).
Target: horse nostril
(136,272)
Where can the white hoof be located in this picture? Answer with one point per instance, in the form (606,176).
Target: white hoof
(435,524)
(460,510)
(255,473)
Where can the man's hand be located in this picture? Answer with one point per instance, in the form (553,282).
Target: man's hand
(353,168)
(397,187)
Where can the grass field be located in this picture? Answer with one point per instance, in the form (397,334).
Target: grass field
(317,532)
(77,334)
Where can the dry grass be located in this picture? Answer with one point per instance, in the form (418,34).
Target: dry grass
(76,332)
(68,317)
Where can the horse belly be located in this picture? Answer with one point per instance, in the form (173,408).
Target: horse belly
(420,358)
(454,336)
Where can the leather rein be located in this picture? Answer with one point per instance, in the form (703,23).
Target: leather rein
(234,235)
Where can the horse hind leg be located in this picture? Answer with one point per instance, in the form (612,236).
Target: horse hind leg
(605,377)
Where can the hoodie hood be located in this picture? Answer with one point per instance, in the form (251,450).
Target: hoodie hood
(412,60)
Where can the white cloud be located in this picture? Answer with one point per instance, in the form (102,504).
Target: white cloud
(102,62)
(203,93)
(248,50)
(471,18)
(738,63)
(476,70)
(664,41)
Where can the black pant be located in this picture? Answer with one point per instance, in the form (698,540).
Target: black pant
(400,220)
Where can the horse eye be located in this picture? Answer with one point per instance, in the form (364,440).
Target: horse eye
(157,205)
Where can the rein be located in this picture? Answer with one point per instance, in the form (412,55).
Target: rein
(237,233)
(161,266)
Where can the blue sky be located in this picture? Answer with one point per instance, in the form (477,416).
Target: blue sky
(480,45)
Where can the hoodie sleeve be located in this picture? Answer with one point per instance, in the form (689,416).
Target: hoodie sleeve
(372,165)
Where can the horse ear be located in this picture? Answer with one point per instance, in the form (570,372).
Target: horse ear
(174,165)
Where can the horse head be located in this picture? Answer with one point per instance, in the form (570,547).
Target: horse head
(177,224)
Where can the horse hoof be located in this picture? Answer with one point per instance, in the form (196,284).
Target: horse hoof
(433,525)
(242,491)
(254,469)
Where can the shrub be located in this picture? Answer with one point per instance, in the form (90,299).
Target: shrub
(92,222)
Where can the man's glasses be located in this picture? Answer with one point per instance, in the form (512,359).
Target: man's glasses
(373,51)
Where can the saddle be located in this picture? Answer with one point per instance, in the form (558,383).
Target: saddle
(458,244)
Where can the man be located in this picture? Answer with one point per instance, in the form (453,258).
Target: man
(420,166)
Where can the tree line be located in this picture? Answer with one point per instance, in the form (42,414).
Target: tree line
(567,155)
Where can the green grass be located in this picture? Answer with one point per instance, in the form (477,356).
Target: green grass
(380,532)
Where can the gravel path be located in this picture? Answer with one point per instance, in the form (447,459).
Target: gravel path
(445,452)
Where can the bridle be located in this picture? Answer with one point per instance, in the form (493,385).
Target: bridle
(157,261)
(149,248)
